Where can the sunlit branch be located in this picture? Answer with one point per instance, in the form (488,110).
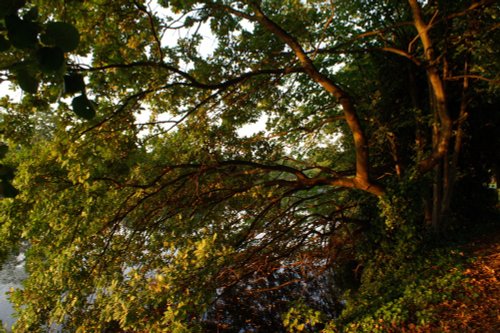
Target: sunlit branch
(362,179)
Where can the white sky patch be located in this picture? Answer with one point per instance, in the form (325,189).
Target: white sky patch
(6,89)
(209,42)
(253,128)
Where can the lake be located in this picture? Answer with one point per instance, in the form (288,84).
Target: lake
(11,276)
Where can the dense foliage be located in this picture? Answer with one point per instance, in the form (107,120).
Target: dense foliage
(145,208)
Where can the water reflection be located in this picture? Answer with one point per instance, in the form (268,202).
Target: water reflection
(11,276)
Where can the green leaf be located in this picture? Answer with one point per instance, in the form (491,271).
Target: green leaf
(27,81)
(22,34)
(4,44)
(6,172)
(3,150)
(47,40)
(8,7)
(83,107)
(7,190)
(50,58)
(73,83)
(31,15)
(61,34)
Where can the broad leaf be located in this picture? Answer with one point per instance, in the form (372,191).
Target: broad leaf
(27,81)
(31,15)
(7,190)
(4,43)
(83,107)
(8,7)
(73,83)
(50,58)
(61,34)
(22,34)
(6,172)
(3,150)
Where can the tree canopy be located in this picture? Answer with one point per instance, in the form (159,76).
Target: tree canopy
(142,205)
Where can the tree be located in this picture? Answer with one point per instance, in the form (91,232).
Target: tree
(152,226)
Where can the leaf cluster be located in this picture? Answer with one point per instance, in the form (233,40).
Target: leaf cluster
(38,51)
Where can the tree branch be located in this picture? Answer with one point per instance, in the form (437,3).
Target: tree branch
(361,180)
(192,81)
(157,38)
(444,134)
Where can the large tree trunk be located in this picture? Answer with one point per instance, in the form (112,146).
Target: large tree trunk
(438,161)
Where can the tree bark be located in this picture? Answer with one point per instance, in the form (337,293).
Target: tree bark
(438,90)
(453,163)
(361,180)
